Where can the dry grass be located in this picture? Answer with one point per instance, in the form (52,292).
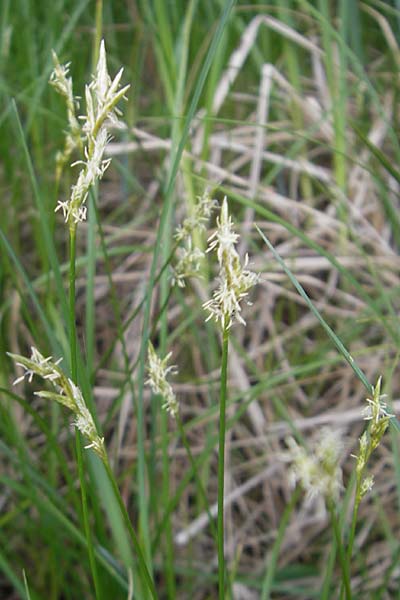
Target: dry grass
(273,150)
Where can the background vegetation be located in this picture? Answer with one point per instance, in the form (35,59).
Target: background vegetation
(290,108)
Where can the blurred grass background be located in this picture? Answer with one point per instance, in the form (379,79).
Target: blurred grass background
(291,109)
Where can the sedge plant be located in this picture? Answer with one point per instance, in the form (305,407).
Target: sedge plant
(87,134)
(317,469)
(235,281)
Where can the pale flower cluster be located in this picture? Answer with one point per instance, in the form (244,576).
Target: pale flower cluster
(101,96)
(189,254)
(317,469)
(376,413)
(61,81)
(158,371)
(235,279)
(199,218)
(64,392)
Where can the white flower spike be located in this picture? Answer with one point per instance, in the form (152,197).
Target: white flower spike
(318,471)
(158,371)
(64,392)
(102,96)
(235,280)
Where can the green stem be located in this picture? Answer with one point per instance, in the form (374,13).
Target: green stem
(78,443)
(353,521)
(195,471)
(135,542)
(352,534)
(221,459)
(72,324)
(273,557)
(341,553)
(98,31)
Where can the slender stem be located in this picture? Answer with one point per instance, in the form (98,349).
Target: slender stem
(341,553)
(350,544)
(274,555)
(135,542)
(221,460)
(354,519)
(195,471)
(78,444)
(72,324)
(98,31)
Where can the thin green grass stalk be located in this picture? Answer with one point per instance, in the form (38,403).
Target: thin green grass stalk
(293,57)
(195,470)
(178,85)
(140,555)
(78,443)
(91,237)
(341,552)
(337,342)
(330,565)
(26,586)
(165,294)
(135,312)
(49,502)
(115,306)
(10,575)
(176,156)
(273,559)
(169,547)
(221,458)
(98,31)
(337,94)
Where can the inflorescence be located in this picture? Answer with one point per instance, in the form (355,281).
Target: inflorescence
(64,392)
(158,370)
(102,96)
(189,254)
(235,280)
(376,413)
(317,470)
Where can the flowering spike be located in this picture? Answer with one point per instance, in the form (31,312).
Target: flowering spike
(235,280)
(102,96)
(318,471)
(189,254)
(64,392)
(376,413)
(158,371)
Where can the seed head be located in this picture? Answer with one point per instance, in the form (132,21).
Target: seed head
(102,96)
(376,413)
(235,280)
(190,256)
(64,392)
(158,370)
(318,471)
(199,218)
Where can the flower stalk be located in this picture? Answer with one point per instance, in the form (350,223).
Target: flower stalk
(221,458)
(378,417)
(235,281)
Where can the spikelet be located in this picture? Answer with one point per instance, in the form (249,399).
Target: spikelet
(376,413)
(102,96)
(158,370)
(64,392)
(317,470)
(190,256)
(235,279)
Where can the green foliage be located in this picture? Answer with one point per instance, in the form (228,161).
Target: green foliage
(290,110)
